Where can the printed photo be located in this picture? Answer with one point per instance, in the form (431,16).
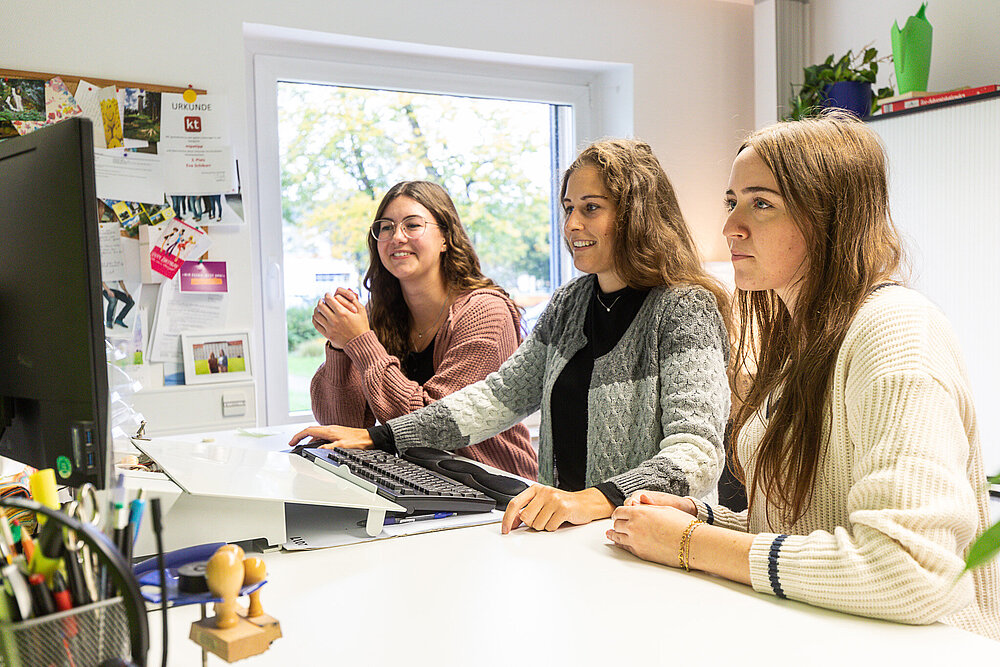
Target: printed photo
(120,300)
(216,357)
(20,99)
(141,115)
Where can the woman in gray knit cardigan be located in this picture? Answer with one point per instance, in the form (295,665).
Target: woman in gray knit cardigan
(627,363)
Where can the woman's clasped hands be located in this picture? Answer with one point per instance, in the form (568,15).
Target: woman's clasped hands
(340,317)
(650,525)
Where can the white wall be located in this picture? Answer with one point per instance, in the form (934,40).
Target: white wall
(966,45)
(692,59)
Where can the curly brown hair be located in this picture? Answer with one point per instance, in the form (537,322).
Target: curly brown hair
(831,173)
(459,266)
(652,243)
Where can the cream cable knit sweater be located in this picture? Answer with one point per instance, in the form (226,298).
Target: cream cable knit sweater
(901,491)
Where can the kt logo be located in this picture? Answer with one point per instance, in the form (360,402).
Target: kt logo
(192,123)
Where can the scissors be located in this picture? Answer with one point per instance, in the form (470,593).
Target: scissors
(85,509)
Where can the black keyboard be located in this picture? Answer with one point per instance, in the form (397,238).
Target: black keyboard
(414,487)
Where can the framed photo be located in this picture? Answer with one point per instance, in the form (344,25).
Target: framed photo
(216,357)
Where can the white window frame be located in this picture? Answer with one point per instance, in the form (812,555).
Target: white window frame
(598,94)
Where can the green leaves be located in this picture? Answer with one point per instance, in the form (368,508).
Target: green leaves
(984,549)
(342,148)
(863,67)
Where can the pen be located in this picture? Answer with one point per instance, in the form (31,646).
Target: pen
(7,549)
(60,593)
(15,531)
(43,490)
(27,544)
(48,550)
(394,520)
(41,598)
(136,508)
(17,585)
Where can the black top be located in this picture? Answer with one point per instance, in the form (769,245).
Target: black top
(418,367)
(608,318)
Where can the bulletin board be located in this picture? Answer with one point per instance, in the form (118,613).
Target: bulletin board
(165,174)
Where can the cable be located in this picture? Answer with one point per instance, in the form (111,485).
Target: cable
(158,531)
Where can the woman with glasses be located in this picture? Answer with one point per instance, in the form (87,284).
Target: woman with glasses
(434,324)
(856,434)
(627,363)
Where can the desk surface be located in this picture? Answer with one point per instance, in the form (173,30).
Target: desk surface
(472,596)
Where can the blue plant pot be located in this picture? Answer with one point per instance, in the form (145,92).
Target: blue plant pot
(855,96)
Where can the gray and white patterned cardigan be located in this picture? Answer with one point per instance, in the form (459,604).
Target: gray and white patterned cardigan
(657,406)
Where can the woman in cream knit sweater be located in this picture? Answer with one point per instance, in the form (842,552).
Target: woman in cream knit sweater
(856,433)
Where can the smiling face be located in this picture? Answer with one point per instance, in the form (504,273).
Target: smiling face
(412,260)
(768,249)
(590,224)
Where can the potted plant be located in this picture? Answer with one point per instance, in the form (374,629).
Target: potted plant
(845,82)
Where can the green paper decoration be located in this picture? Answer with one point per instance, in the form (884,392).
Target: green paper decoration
(911,52)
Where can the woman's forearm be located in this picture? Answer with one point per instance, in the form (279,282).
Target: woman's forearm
(721,552)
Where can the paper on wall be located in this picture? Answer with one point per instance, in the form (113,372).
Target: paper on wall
(205,277)
(89,97)
(128,176)
(59,105)
(177,313)
(176,242)
(195,145)
(112,255)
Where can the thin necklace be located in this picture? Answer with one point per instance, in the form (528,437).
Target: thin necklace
(597,293)
(420,334)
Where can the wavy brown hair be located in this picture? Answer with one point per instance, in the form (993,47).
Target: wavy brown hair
(831,173)
(652,243)
(459,266)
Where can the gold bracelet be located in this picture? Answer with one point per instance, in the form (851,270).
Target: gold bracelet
(684,549)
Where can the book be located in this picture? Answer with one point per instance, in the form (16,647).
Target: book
(916,93)
(934,98)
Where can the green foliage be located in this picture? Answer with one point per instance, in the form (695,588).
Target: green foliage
(298,319)
(342,148)
(984,549)
(810,97)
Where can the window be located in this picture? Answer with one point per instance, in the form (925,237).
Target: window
(342,148)
(333,135)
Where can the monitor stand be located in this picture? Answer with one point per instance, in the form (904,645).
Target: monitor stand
(233,486)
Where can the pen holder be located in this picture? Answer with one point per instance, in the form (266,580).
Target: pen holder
(86,635)
(130,605)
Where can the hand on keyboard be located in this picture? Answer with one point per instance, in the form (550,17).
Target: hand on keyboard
(329,437)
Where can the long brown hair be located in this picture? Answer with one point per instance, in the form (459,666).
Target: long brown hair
(652,243)
(459,266)
(831,173)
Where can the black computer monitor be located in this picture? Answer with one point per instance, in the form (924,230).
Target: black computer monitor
(53,373)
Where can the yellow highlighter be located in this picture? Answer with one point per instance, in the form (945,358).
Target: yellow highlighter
(43,490)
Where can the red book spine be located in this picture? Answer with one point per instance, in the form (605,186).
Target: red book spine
(899,105)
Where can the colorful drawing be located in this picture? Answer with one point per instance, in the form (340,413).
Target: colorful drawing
(112,123)
(59,105)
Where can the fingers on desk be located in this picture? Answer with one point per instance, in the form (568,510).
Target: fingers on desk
(512,516)
(540,507)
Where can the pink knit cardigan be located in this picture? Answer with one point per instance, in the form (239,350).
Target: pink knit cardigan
(363,382)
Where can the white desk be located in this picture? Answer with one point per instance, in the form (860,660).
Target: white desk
(474,597)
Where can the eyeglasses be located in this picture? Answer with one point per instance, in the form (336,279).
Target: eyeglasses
(413,226)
